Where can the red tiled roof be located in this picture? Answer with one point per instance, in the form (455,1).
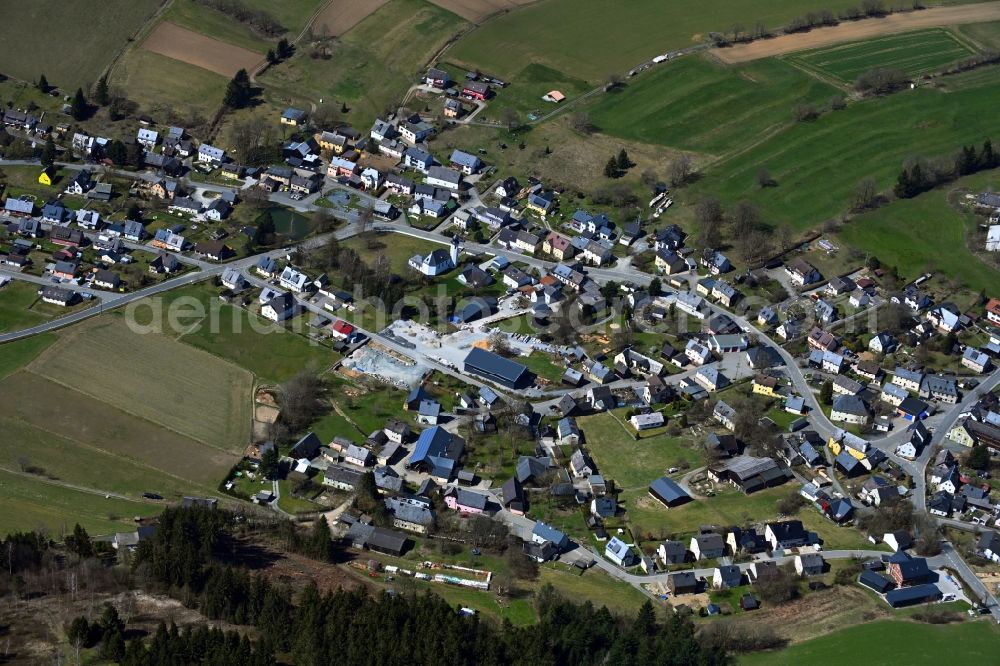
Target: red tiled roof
(342,327)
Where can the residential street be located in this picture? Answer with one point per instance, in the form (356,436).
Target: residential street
(940,423)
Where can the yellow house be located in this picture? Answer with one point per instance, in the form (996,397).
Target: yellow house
(45,177)
(331,141)
(854,446)
(766,386)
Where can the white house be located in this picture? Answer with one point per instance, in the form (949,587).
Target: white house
(210,154)
(993,238)
(647,421)
(436,262)
(279,308)
(294,280)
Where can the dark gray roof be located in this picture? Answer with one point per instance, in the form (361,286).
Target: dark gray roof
(668,490)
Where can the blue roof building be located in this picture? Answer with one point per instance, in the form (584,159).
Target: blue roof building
(542,533)
(498,369)
(668,492)
(437,452)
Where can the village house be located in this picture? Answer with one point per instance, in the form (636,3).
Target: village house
(707,546)
(279,308)
(802,273)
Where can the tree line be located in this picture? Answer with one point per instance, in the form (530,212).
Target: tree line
(358,628)
(922,176)
(257,20)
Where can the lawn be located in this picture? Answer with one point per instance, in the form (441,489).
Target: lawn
(54,409)
(270,352)
(632,464)
(912,235)
(817,165)
(15,355)
(163,85)
(371,66)
(889,642)
(30,504)
(81,38)
(589,39)
(397,248)
(15,301)
(914,53)
(729,507)
(154,377)
(701,105)
(542,365)
(524,95)
(595,586)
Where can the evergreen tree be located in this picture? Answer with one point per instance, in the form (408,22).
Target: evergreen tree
(79,108)
(987,158)
(238,92)
(826,392)
(624,163)
(48,158)
(269,463)
(79,632)
(134,213)
(135,155)
(903,188)
(264,233)
(272,59)
(979,457)
(79,542)
(284,49)
(101,94)
(115,151)
(112,635)
(320,543)
(43,83)
(611,168)
(917,181)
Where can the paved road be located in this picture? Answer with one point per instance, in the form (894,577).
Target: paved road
(624,273)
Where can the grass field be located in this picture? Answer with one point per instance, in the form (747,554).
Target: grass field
(15,299)
(889,642)
(53,408)
(632,464)
(292,14)
(80,38)
(914,53)
(30,504)
(73,462)
(590,39)
(270,352)
(155,378)
(817,165)
(986,35)
(698,104)
(911,235)
(159,83)
(15,355)
(371,66)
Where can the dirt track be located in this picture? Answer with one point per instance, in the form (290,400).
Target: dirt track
(216,56)
(476,10)
(858,30)
(341,15)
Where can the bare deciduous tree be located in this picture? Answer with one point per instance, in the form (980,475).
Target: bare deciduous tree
(680,170)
